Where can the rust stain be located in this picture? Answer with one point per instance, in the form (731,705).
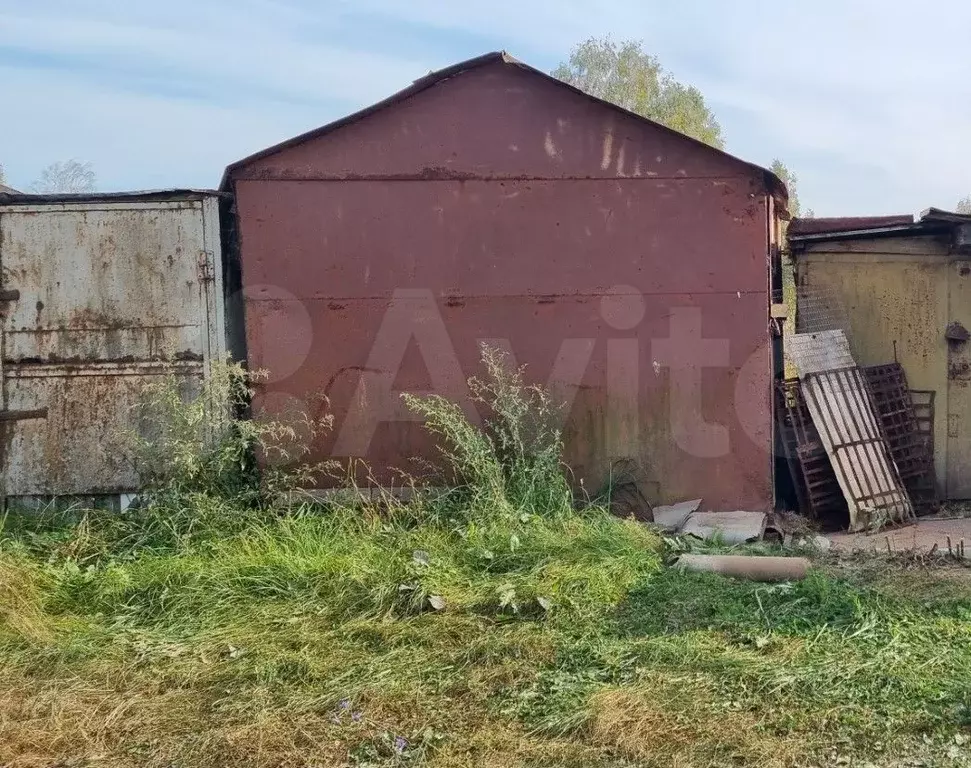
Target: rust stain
(956,333)
(85,317)
(111,300)
(959,370)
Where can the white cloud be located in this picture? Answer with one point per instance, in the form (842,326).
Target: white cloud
(231,48)
(858,97)
(863,99)
(152,102)
(134,140)
(543,26)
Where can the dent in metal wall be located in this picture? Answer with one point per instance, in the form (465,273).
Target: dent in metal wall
(109,293)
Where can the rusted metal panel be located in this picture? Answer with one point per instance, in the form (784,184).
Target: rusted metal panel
(79,447)
(113,293)
(848,225)
(627,267)
(909,439)
(587,236)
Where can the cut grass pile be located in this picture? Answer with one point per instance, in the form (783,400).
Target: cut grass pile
(330,639)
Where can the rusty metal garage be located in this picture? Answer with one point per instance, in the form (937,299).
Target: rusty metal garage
(101,295)
(628,266)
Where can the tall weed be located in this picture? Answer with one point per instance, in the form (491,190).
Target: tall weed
(190,445)
(203,469)
(512,465)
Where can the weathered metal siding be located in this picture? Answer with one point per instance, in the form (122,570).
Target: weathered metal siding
(895,295)
(112,295)
(604,252)
(959,380)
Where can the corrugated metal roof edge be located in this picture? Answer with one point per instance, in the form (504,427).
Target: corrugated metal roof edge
(949,217)
(856,234)
(24,198)
(932,221)
(800,226)
(772,182)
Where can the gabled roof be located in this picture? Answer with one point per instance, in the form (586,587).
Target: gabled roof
(5,190)
(773,183)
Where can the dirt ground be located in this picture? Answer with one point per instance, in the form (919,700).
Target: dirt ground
(945,535)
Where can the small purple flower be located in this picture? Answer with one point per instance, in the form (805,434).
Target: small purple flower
(345,704)
(356,717)
(400,744)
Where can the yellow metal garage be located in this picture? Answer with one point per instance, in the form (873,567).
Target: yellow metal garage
(901,289)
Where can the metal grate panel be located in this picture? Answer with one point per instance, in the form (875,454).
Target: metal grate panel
(909,436)
(817,490)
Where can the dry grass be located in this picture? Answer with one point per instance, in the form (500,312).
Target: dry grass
(112,723)
(96,723)
(691,672)
(21,611)
(912,575)
(667,721)
(237,652)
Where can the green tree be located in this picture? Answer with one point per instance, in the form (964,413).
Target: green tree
(964,205)
(624,74)
(791,181)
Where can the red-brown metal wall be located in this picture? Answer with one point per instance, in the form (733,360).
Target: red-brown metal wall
(625,265)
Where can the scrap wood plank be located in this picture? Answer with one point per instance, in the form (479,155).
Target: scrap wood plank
(839,401)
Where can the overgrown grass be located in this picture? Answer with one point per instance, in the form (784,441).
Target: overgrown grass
(512,465)
(419,627)
(494,624)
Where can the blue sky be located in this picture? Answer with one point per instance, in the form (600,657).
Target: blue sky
(866,101)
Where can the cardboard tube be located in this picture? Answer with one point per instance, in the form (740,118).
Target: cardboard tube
(748,567)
